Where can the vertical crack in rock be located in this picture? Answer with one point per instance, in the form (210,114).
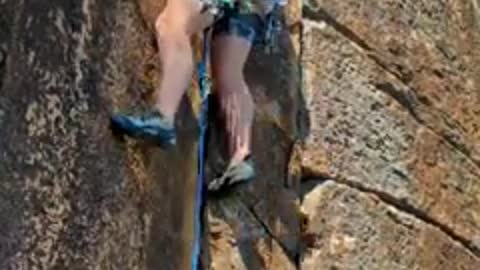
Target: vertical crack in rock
(272,235)
(303,118)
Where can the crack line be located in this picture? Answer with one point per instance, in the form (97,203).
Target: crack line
(270,233)
(405,207)
(398,96)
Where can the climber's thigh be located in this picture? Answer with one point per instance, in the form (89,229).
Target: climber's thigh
(229,54)
(233,37)
(247,26)
(183,16)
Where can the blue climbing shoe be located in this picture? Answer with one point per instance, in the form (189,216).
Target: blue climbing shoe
(151,126)
(236,173)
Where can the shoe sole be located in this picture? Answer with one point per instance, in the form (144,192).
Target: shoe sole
(118,130)
(229,185)
(227,189)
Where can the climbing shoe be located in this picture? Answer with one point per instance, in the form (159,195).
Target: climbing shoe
(151,126)
(236,173)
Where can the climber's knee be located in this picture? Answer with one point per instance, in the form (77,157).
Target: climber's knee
(174,19)
(227,81)
(167,28)
(171,36)
(182,17)
(161,24)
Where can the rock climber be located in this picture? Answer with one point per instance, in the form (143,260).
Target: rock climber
(242,24)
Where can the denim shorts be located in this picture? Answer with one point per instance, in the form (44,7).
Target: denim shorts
(249,26)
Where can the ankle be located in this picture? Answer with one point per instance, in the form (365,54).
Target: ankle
(240,155)
(167,116)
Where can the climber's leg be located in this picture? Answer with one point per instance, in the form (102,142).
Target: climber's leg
(228,58)
(174,28)
(179,20)
(233,38)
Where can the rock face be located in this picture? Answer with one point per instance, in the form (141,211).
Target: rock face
(72,196)
(353,229)
(366,140)
(393,92)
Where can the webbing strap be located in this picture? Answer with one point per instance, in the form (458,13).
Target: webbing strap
(204,87)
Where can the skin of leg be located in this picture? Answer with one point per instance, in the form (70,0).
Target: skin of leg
(229,54)
(174,27)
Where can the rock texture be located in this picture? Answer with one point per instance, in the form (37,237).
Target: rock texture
(366,140)
(393,96)
(352,229)
(72,196)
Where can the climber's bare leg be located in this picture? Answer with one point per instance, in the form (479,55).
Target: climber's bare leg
(229,54)
(175,26)
(179,20)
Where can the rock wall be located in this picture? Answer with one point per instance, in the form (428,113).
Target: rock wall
(392,154)
(366,139)
(73,196)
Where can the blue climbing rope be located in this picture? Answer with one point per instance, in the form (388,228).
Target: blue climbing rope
(204,86)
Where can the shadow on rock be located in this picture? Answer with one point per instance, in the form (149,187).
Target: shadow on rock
(257,225)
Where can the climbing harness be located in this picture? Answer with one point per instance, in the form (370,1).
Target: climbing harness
(205,89)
